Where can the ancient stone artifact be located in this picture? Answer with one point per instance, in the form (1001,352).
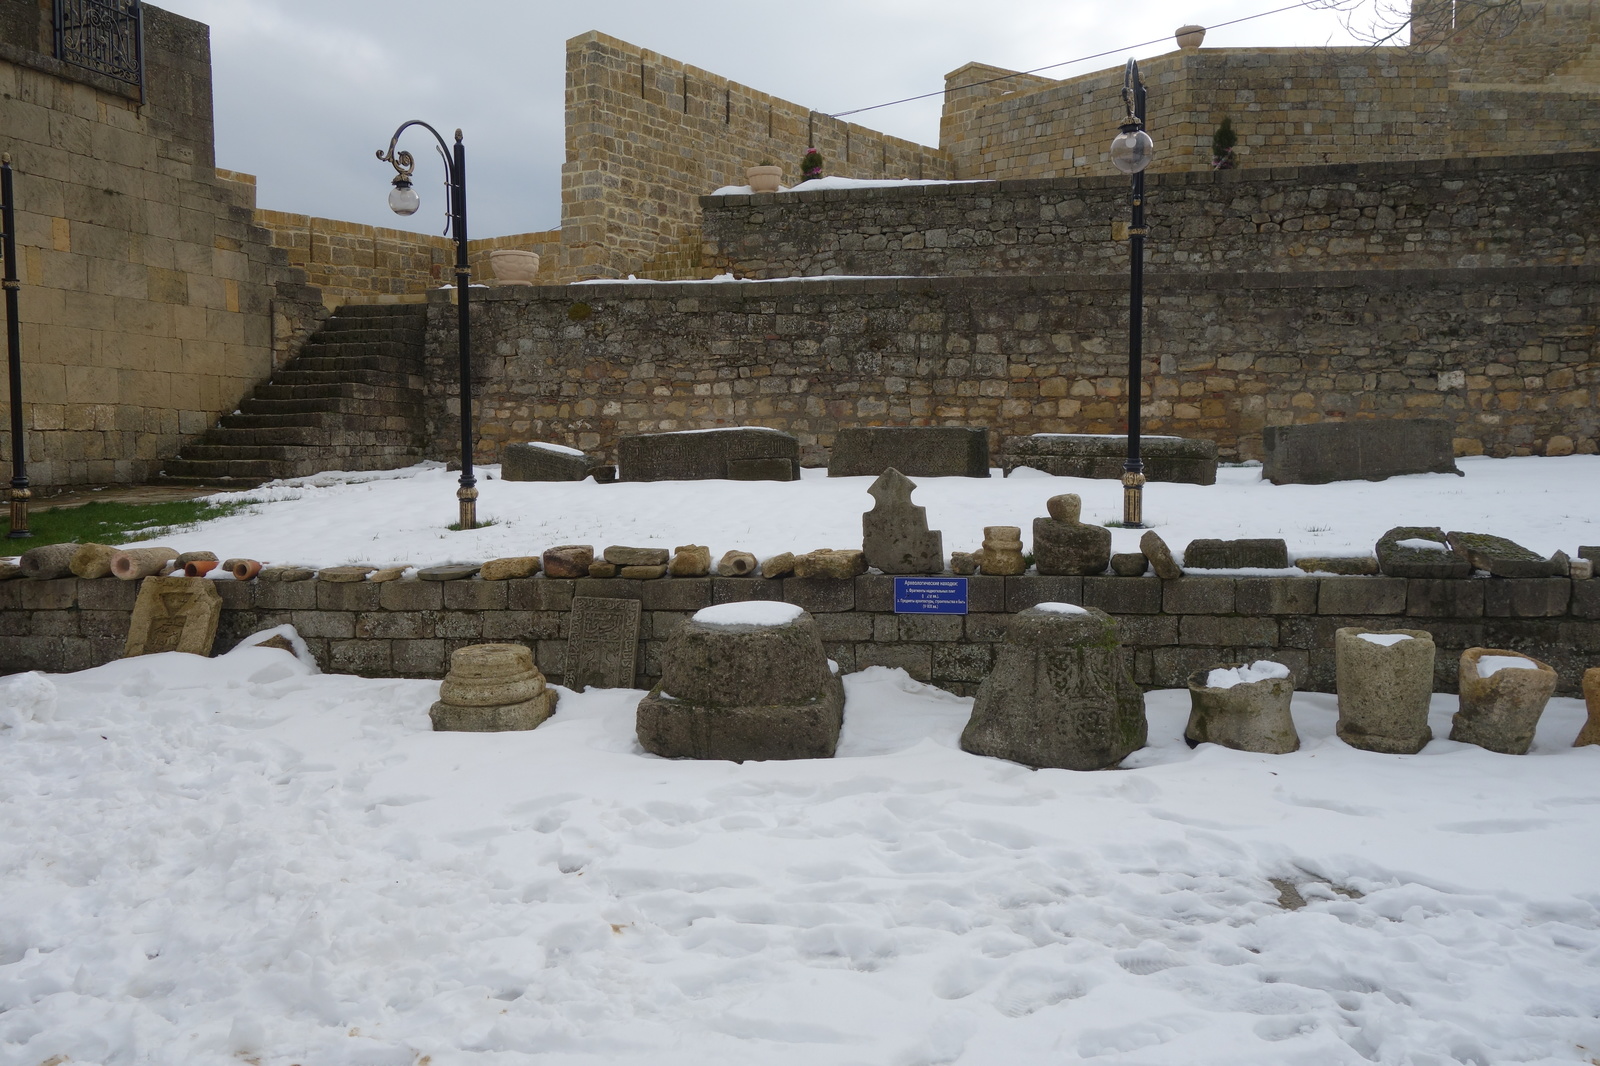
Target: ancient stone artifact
(242,569)
(568,560)
(284,573)
(48,561)
(1384,681)
(1002,551)
(387,573)
(828,562)
(1265,553)
(696,455)
(1419,551)
(185,558)
(690,560)
(1580,569)
(174,614)
(344,574)
(1129,564)
(601,568)
(1161,561)
(1181,460)
(134,563)
(894,535)
(93,560)
(1590,733)
(448,572)
(780,565)
(744,681)
(736,564)
(1064,545)
(1503,693)
(602,643)
(511,566)
(1505,558)
(965,564)
(492,688)
(918,451)
(1365,450)
(1346,565)
(1060,693)
(1244,706)
(9,570)
(620,555)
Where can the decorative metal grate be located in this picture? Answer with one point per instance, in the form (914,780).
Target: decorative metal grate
(105,36)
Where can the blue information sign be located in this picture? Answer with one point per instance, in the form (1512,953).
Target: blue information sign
(930,595)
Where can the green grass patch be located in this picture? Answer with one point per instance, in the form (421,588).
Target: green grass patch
(484,523)
(118,523)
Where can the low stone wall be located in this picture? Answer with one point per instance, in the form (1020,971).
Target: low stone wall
(1481,212)
(408,628)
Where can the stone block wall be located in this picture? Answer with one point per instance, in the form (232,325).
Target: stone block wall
(1172,628)
(1483,212)
(1511,356)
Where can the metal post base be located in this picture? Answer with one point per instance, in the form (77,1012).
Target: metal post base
(468,498)
(1133,500)
(19,513)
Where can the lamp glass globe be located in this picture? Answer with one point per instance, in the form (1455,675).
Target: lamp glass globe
(1131,152)
(403,200)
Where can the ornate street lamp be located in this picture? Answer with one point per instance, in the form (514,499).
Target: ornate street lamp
(403,200)
(20,493)
(1131,151)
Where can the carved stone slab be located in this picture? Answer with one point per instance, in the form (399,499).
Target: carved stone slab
(603,645)
(174,614)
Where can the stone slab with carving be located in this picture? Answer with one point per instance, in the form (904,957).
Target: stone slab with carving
(174,614)
(894,535)
(603,643)
(919,451)
(539,461)
(1178,460)
(1265,553)
(1364,450)
(700,455)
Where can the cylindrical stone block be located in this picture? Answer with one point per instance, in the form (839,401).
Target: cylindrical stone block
(1501,711)
(1384,688)
(93,560)
(48,561)
(1590,733)
(1249,716)
(492,688)
(136,563)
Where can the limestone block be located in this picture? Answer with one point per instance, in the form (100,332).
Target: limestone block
(736,564)
(1246,715)
(1501,711)
(174,614)
(285,574)
(1365,450)
(568,560)
(1590,733)
(921,451)
(448,572)
(1180,460)
(1266,553)
(1155,549)
(623,556)
(1060,693)
(135,563)
(965,564)
(829,562)
(1420,551)
(1505,558)
(641,573)
(509,567)
(492,688)
(344,574)
(895,534)
(1063,545)
(93,560)
(780,565)
(1384,687)
(1129,564)
(1002,551)
(538,461)
(1346,566)
(48,561)
(700,454)
(601,568)
(690,560)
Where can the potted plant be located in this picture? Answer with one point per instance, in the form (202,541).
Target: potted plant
(1222,143)
(811,165)
(765,176)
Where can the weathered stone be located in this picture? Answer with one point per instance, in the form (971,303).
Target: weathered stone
(697,455)
(762,470)
(828,562)
(894,534)
(174,614)
(918,451)
(736,564)
(131,564)
(1129,564)
(1580,570)
(690,560)
(965,564)
(742,689)
(1366,450)
(492,688)
(388,573)
(538,461)
(1002,551)
(602,643)
(92,560)
(623,556)
(1344,565)
(9,570)
(568,560)
(513,566)
(641,572)
(1062,545)
(344,574)
(1590,552)
(278,642)
(1384,689)
(185,558)
(286,574)
(1180,460)
(780,565)
(1502,557)
(449,572)
(1060,694)
(1397,559)
(1248,716)
(1264,553)
(601,568)
(1590,733)
(48,561)
(1155,549)
(1501,711)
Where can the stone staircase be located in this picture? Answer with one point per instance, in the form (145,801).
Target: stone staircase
(351,400)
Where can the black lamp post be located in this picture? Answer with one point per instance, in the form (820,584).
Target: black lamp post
(403,200)
(1131,151)
(20,493)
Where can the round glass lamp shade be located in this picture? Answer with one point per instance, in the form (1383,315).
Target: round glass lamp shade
(403,200)
(1131,151)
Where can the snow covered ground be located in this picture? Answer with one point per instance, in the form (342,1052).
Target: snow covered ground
(237,860)
(397,517)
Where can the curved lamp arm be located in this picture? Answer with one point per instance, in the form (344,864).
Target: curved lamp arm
(405,165)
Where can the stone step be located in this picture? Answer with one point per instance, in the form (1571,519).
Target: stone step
(354,310)
(391,349)
(376,335)
(292,420)
(265,435)
(361,444)
(310,377)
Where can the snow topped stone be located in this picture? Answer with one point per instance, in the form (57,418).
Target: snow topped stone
(546,446)
(1061,608)
(1419,542)
(1489,665)
(1260,670)
(1388,640)
(749,613)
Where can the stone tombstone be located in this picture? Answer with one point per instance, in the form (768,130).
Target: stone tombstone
(918,451)
(894,535)
(1064,545)
(1501,711)
(174,614)
(744,681)
(1505,558)
(1264,553)
(1384,682)
(701,455)
(1060,694)
(1244,706)
(603,643)
(492,688)
(1365,450)
(1419,551)
(539,461)
(1590,733)
(1178,460)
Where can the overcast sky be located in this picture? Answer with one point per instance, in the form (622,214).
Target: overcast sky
(307,90)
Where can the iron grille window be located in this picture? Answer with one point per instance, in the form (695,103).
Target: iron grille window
(105,36)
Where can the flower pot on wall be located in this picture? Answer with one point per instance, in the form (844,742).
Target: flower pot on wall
(512,266)
(763,179)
